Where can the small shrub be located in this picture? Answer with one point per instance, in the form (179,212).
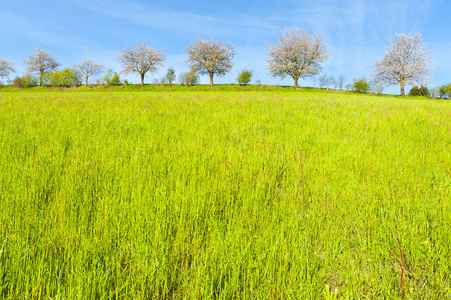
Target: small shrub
(108,78)
(445,91)
(170,76)
(112,78)
(116,80)
(193,78)
(419,91)
(245,77)
(25,81)
(361,85)
(29,81)
(64,78)
(188,78)
(17,83)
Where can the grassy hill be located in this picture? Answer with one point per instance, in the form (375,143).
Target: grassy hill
(227,192)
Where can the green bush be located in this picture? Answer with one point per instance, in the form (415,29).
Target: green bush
(193,78)
(163,80)
(419,91)
(30,81)
(25,81)
(244,77)
(445,91)
(170,76)
(112,78)
(116,80)
(17,83)
(108,78)
(361,85)
(64,78)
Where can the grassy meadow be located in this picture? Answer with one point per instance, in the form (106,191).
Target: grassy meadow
(223,193)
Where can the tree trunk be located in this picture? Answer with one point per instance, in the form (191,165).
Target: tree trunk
(296,83)
(402,89)
(142,79)
(86,81)
(211,78)
(40,77)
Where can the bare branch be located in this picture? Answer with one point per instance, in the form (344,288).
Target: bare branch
(6,67)
(298,55)
(406,62)
(210,57)
(141,60)
(40,62)
(88,69)
(340,82)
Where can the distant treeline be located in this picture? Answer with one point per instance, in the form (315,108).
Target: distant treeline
(298,54)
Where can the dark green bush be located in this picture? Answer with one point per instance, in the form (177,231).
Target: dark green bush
(445,91)
(419,91)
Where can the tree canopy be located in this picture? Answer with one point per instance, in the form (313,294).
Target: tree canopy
(298,54)
(245,76)
(141,59)
(40,62)
(210,57)
(88,69)
(406,62)
(6,67)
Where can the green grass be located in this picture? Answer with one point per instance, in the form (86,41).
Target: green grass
(156,88)
(231,194)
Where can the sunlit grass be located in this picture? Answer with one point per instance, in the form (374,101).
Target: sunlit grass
(179,194)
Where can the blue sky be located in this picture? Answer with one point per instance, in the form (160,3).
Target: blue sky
(356,31)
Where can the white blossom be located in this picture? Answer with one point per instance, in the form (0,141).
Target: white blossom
(6,67)
(298,54)
(141,60)
(88,69)
(210,57)
(406,62)
(40,62)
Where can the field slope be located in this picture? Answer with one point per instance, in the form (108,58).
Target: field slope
(187,194)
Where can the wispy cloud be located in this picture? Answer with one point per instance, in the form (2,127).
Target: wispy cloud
(25,28)
(233,26)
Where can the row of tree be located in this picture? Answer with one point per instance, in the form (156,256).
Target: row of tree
(363,85)
(298,54)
